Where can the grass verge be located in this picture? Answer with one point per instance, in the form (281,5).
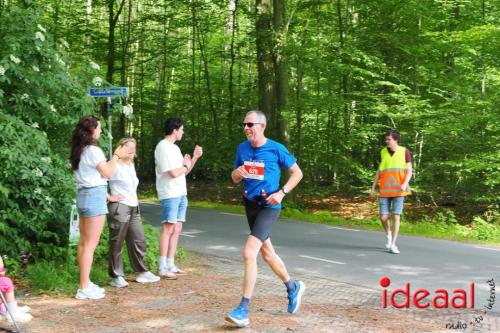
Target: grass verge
(441,226)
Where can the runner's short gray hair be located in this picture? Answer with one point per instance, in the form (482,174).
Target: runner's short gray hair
(260,116)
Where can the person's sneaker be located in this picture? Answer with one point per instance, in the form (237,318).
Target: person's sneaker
(295,296)
(89,293)
(388,241)
(96,287)
(394,249)
(177,271)
(166,274)
(24,309)
(19,317)
(119,282)
(238,316)
(147,277)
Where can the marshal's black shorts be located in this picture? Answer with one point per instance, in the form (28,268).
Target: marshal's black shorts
(260,219)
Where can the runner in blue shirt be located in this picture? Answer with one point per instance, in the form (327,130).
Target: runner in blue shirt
(258,164)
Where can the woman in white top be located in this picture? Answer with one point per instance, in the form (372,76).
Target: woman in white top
(124,221)
(91,172)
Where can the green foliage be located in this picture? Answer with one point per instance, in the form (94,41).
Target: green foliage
(60,276)
(38,191)
(36,83)
(40,101)
(429,69)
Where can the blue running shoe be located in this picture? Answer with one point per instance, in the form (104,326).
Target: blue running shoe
(295,296)
(239,316)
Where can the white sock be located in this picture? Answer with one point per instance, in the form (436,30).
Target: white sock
(170,263)
(389,235)
(163,262)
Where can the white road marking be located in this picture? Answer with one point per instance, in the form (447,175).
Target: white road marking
(486,248)
(347,229)
(222,247)
(233,214)
(321,259)
(191,233)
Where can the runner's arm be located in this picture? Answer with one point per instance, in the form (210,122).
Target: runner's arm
(238,174)
(295,177)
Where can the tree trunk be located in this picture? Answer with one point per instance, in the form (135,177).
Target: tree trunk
(343,76)
(265,70)
(281,73)
(112,20)
(213,112)
(231,30)
(298,115)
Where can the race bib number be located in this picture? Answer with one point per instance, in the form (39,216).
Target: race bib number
(255,170)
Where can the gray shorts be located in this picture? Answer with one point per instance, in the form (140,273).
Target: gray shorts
(260,219)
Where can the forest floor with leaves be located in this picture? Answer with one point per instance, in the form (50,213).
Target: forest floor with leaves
(199,301)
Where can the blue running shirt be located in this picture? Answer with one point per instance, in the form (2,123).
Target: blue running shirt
(264,163)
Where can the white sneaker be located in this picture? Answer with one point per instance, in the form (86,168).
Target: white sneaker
(19,317)
(119,282)
(147,277)
(394,249)
(96,287)
(388,241)
(24,309)
(89,293)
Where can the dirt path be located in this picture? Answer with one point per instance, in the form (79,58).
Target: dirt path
(198,302)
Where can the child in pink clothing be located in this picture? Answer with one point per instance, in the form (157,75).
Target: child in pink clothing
(20,313)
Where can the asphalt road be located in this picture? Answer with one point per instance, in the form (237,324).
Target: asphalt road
(348,255)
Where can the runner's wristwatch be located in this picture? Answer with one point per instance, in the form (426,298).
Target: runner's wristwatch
(283,189)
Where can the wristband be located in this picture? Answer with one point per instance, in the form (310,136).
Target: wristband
(283,189)
(184,165)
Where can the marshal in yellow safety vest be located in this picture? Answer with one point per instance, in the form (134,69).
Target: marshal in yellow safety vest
(392,173)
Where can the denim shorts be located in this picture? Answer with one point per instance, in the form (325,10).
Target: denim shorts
(91,201)
(173,210)
(393,205)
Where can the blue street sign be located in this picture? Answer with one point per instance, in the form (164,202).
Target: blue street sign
(108,92)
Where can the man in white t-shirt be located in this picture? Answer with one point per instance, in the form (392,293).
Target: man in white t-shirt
(171,170)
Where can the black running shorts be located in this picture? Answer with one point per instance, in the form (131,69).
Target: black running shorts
(260,219)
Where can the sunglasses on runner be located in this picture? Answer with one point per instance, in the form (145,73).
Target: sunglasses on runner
(250,125)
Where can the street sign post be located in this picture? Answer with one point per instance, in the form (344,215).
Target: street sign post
(109,93)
